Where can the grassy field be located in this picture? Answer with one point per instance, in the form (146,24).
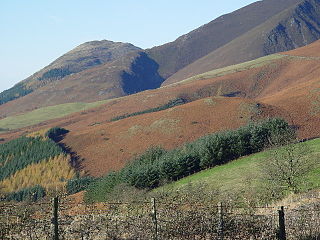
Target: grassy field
(44,114)
(235,68)
(241,174)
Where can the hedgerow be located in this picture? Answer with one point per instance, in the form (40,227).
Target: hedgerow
(170,104)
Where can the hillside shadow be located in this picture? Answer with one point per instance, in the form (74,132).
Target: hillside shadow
(143,75)
(75,159)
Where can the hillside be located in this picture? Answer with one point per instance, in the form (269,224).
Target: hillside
(85,56)
(186,49)
(294,27)
(115,69)
(284,85)
(241,178)
(129,74)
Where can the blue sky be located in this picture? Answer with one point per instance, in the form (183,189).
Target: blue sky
(35,32)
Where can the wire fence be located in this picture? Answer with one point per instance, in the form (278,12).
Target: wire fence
(156,220)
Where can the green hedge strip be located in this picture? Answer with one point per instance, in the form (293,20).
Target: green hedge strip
(157,166)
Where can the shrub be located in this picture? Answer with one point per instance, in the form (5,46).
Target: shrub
(56,133)
(79,184)
(98,190)
(170,104)
(27,194)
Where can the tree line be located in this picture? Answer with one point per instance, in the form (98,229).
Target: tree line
(157,166)
(19,90)
(19,153)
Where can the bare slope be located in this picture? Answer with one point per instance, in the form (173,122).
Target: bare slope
(209,37)
(294,27)
(129,74)
(83,57)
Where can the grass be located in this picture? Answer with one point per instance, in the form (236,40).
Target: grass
(235,68)
(240,173)
(45,114)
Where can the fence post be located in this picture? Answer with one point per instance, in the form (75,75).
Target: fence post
(154,218)
(55,226)
(282,225)
(220,224)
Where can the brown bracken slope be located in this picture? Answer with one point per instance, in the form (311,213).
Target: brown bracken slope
(198,43)
(287,87)
(293,27)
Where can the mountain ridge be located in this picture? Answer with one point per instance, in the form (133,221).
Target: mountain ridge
(198,43)
(279,33)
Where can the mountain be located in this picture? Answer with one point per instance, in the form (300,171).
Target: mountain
(83,57)
(282,85)
(188,48)
(92,71)
(296,26)
(100,70)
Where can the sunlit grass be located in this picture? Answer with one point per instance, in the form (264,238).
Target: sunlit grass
(244,171)
(45,113)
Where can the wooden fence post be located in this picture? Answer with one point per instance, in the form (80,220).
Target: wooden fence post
(220,224)
(154,218)
(55,223)
(282,225)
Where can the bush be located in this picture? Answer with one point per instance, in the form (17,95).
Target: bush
(56,133)
(79,184)
(27,194)
(98,190)
(170,104)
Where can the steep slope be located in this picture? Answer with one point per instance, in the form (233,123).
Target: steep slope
(200,42)
(116,142)
(83,57)
(294,27)
(284,85)
(129,74)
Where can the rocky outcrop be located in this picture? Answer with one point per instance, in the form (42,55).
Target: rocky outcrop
(300,29)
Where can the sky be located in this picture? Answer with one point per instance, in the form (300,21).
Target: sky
(36,32)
